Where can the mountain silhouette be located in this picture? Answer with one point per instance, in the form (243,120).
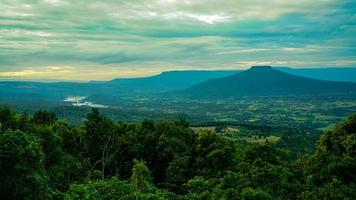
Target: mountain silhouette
(168,81)
(267,81)
(325,73)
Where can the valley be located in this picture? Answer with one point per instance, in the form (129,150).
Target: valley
(183,134)
(299,112)
(173,95)
(177,100)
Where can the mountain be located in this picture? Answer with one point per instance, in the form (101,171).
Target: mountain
(266,81)
(56,92)
(168,81)
(327,74)
(112,91)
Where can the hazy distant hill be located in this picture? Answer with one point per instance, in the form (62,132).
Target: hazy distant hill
(11,91)
(20,91)
(17,91)
(266,81)
(328,74)
(168,81)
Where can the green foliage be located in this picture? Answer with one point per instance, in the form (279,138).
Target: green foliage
(114,188)
(251,194)
(213,154)
(7,119)
(141,177)
(297,143)
(24,122)
(330,172)
(43,117)
(22,167)
(99,132)
(99,189)
(341,141)
(44,158)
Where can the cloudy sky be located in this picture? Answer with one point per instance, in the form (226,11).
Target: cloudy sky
(99,40)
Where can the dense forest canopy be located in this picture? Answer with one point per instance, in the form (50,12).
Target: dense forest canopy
(43,157)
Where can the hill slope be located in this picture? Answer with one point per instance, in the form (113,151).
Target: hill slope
(56,92)
(327,74)
(168,81)
(266,81)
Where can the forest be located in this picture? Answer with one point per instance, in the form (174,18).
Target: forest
(44,157)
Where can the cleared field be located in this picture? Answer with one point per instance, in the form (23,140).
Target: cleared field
(262,140)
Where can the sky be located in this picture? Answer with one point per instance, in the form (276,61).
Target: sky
(102,40)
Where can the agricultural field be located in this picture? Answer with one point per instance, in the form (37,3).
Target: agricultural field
(302,112)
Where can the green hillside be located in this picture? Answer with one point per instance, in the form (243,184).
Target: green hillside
(42,157)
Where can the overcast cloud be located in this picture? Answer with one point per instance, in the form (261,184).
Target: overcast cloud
(85,39)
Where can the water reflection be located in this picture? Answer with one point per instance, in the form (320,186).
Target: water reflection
(80,101)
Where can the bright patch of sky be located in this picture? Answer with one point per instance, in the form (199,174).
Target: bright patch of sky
(100,40)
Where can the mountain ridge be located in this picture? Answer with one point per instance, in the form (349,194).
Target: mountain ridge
(325,73)
(266,81)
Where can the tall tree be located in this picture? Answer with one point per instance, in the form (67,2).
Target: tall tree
(141,177)
(331,172)
(100,140)
(22,167)
(44,117)
(7,119)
